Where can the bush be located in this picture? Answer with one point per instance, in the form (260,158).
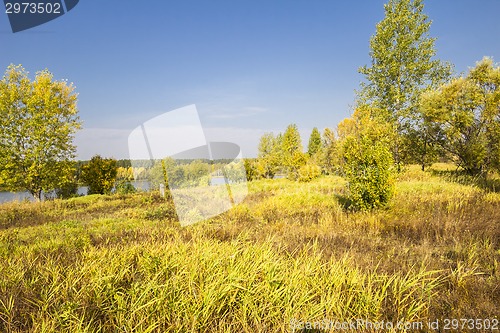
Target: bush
(308,172)
(67,190)
(124,187)
(368,169)
(99,175)
(264,169)
(250,169)
(367,159)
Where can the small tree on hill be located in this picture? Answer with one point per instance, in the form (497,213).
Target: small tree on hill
(99,174)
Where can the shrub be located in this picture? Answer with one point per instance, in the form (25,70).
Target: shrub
(308,172)
(368,169)
(124,187)
(99,175)
(250,169)
(368,162)
(264,169)
(67,190)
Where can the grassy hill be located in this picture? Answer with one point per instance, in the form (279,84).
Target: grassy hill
(291,253)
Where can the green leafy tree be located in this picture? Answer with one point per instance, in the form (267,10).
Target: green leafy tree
(314,145)
(293,156)
(465,118)
(197,173)
(402,68)
(330,160)
(99,174)
(172,174)
(368,162)
(250,169)
(69,189)
(37,122)
(269,155)
(235,171)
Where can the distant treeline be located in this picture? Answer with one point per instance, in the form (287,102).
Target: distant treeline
(127,163)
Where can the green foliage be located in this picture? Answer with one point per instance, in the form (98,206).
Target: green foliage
(293,155)
(124,163)
(124,187)
(330,159)
(68,190)
(368,165)
(314,145)
(156,174)
(465,118)
(402,68)
(179,174)
(235,171)
(250,169)
(269,156)
(125,173)
(99,174)
(309,172)
(368,171)
(37,122)
(418,147)
(196,173)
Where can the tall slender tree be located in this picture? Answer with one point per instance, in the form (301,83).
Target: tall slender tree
(293,156)
(402,67)
(330,161)
(269,158)
(314,144)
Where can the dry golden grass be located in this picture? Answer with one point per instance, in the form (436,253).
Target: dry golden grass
(290,251)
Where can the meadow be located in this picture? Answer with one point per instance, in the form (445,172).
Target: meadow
(290,253)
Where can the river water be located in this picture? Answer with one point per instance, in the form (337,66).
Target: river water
(26,196)
(140,185)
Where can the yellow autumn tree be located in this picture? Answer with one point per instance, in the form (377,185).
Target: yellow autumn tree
(38,120)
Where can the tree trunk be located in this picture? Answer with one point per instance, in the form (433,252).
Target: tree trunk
(423,154)
(37,194)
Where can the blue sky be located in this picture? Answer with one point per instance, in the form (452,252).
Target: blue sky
(249,66)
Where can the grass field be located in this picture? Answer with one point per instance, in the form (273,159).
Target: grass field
(289,253)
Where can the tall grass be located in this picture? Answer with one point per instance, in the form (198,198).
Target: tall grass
(289,252)
(198,286)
